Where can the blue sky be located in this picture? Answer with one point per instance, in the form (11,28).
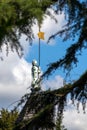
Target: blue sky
(51,53)
(15,73)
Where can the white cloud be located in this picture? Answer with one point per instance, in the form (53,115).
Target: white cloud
(54,83)
(15,78)
(74,120)
(22,72)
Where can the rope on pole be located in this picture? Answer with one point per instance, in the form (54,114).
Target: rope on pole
(39,54)
(39,48)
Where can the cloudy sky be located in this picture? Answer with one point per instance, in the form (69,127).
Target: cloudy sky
(74,120)
(15,73)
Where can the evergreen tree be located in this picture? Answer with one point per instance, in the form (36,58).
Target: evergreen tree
(16,18)
(75,13)
(40,107)
(7,119)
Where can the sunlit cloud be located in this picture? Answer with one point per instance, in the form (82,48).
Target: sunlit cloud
(15,78)
(74,120)
(54,83)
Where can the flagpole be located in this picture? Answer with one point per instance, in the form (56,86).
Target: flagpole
(39,47)
(39,56)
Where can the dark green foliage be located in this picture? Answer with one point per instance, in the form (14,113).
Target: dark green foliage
(17,18)
(40,108)
(59,125)
(7,119)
